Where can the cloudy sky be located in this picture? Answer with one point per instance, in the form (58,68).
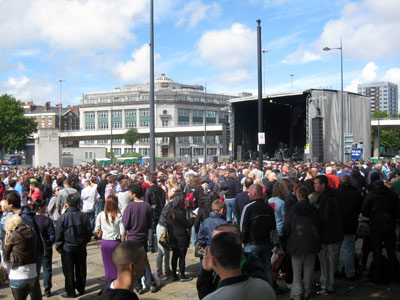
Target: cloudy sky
(97,45)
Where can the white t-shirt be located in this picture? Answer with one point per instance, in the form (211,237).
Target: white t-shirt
(89,196)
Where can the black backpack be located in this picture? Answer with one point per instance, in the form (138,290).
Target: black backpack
(379,272)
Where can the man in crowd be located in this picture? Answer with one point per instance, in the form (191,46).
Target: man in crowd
(242,199)
(63,197)
(73,232)
(101,189)
(226,255)
(233,190)
(89,197)
(256,224)
(130,258)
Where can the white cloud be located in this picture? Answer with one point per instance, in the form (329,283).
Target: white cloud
(368,30)
(232,49)
(301,56)
(89,25)
(368,74)
(392,75)
(28,89)
(137,69)
(195,11)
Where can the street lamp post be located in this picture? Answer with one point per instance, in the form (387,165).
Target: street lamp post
(59,122)
(205,124)
(342,157)
(259,102)
(291,80)
(111,133)
(264,76)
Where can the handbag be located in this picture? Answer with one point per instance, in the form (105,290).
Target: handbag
(164,239)
(363,230)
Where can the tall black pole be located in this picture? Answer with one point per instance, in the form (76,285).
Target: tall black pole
(152,135)
(260,105)
(111,133)
(205,124)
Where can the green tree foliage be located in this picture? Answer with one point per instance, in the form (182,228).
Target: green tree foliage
(131,136)
(381,114)
(390,138)
(16,129)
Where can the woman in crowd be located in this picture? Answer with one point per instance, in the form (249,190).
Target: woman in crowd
(21,253)
(178,226)
(47,188)
(279,194)
(172,187)
(110,222)
(123,195)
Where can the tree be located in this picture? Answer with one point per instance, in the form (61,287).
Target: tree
(131,137)
(15,127)
(381,114)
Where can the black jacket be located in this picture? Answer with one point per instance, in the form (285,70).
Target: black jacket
(165,215)
(233,188)
(349,201)
(329,225)
(381,206)
(101,188)
(208,281)
(257,221)
(116,294)
(73,231)
(178,230)
(301,230)
(155,196)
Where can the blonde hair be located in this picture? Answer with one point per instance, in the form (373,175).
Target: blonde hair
(12,223)
(280,190)
(172,183)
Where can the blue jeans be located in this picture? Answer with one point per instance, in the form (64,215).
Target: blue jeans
(99,207)
(22,283)
(92,219)
(229,209)
(193,235)
(349,243)
(47,269)
(36,292)
(263,252)
(162,253)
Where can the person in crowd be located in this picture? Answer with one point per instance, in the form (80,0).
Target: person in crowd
(233,189)
(47,188)
(89,197)
(35,192)
(19,187)
(277,202)
(303,244)
(101,189)
(123,195)
(63,197)
(330,232)
(242,199)
(226,255)
(111,188)
(155,197)
(178,226)
(130,259)
(109,221)
(215,219)
(137,220)
(173,186)
(349,201)
(73,232)
(256,224)
(47,231)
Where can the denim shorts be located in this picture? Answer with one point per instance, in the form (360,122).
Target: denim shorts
(22,283)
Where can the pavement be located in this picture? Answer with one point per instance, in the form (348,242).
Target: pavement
(344,290)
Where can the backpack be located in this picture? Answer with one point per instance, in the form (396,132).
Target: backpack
(379,272)
(190,200)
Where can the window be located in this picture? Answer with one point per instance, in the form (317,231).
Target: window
(211,117)
(223,117)
(130,124)
(104,100)
(89,115)
(183,139)
(209,100)
(211,139)
(196,99)
(165,140)
(144,97)
(118,99)
(144,112)
(164,123)
(183,116)
(130,150)
(117,141)
(103,125)
(144,140)
(144,151)
(184,151)
(103,114)
(116,125)
(117,151)
(197,139)
(90,126)
(130,113)
(89,142)
(144,123)
(197,117)
(181,97)
(102,141)
(211,151)
(117,113)
(198,151)
(133,98)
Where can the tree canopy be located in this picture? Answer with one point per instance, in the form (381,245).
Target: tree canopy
(16,129)
(132,136)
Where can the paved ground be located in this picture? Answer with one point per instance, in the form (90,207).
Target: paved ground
(361,289)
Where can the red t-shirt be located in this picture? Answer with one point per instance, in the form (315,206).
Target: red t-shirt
(37,195)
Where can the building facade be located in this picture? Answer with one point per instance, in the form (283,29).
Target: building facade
(178,106)
(383,95)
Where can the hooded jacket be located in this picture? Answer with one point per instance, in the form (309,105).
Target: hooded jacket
(301,230)
(206,228)
(328,221)
(381,205)
(349,201)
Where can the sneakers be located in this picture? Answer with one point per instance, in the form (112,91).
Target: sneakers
(175,277)
(161,277)
(154,289)
(142,291)
(322,292)
(168,273)
(184,278)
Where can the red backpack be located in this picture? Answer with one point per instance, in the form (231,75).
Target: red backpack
(189,200)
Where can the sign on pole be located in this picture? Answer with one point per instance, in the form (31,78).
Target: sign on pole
(356,153)
(261,138)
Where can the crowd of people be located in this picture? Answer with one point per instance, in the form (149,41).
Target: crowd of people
(249,226)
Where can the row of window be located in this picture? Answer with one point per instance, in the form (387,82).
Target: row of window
(211,139)
(197,151)
(147,97)
(142,151)
(142,140)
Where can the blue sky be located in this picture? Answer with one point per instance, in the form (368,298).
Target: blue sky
(97,45)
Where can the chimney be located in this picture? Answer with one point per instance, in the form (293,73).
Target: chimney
(47,106)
